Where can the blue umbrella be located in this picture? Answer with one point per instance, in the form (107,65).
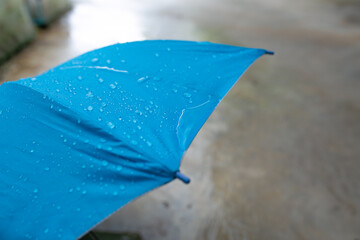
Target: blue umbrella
(85,138)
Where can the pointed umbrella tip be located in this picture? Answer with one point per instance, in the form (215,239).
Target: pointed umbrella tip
(269,52)
(182,177)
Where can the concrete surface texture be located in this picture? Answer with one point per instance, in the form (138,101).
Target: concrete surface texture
(280,157)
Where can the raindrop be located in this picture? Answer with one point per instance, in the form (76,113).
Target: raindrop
(33,79)
(83,192)
(101,80)
(47,169)
(156,79)
(187,95)
(71,190)
(0,112)
(108,61)
(51,106)
(156,55)
(134,142)
(79,77)
(174,90)
(122,187)
(89,95)
(112,86)
(139,127)
(111,125)
(31,150)
(90,108)
(105,163)
(57,90)
(142,79)
(46,230)
(115,193)
(36,190)
(94,60)
(119,168)
(149,143)
(138,112)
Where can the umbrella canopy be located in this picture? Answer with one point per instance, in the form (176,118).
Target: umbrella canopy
(83,139)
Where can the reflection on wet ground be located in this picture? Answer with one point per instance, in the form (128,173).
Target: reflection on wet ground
(279,157)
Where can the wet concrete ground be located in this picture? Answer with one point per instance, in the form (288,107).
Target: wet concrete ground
(280,157)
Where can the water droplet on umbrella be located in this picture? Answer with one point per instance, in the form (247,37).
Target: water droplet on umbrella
(83,192)
(105,163)
(79,77)
(156,55)
(108,61)
(51,106)
(47,169)
(111,125)
(187,95)
(89,95)
(94,60)
(101,80)
(46,230)
(112,86)
(174,90)
(122,187)
(142,79)
(149,143)
(36,190)
(134,142)
(33,79)
(71,190)
(119,168)
(90,108)
(57,90)
(115,193)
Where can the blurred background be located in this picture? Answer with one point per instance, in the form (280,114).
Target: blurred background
(278,159)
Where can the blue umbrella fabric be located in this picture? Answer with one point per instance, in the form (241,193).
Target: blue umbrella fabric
(85,138)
